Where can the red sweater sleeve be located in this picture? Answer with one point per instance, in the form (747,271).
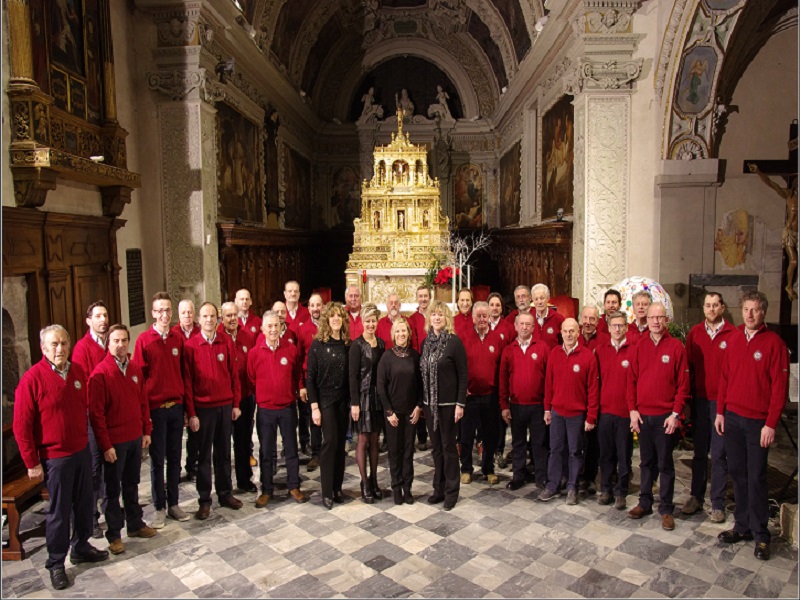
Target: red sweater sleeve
(97,411)
(25,421)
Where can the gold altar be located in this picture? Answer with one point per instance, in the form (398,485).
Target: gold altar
(402,229)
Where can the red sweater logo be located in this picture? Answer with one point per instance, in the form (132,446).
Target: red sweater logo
(665,358)
(757,355)
(723,344)
(174,352)
(220,357)
(576,368)
(78,383)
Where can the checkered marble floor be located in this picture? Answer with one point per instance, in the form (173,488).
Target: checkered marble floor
(494,544)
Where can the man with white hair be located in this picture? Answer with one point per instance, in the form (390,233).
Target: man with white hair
(352,296)
(186,325)
(548,321)
(384,329)
(638,329)
(296,313)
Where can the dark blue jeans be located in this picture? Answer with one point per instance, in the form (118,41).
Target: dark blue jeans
(565,432)
(269,421)
(165,448)
(123,476)
(706,438)
(615,439)
(655,451)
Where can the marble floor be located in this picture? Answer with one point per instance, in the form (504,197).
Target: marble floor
(494,544)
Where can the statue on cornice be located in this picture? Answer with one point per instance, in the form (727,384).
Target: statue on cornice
(370,110)
(440,110)
(404,102)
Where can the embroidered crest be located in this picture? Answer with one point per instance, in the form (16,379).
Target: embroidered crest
(535,356)
(253,328)
(757,355)
(78,385)
(174,352)
(625,364)
(502,336)
(665,358)
(284,362)
(549,331)
(220,357)
(291,340)
(244,349)
(723,344)
(576,368)
(135,379)
(491,348)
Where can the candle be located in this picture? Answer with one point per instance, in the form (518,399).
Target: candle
(364,276)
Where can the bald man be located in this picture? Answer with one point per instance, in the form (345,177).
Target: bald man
(249,320)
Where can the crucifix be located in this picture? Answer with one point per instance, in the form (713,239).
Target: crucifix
(787,169)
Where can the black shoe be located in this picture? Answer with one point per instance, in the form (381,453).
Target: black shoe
(383,447)
(449,505)
(734,537)
(304,449)
(191,475)
(515,484)
(408,497)
(398,496)
(59,579)
(97,532)
(327,503)
(366,492)
(338,497)
(435,498)
(762,551)
(377,493)
(248,487)
(94,555)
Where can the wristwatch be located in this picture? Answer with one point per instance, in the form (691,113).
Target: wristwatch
(675,415)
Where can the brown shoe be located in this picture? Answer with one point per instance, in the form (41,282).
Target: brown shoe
(667,522)
(231,502)
(144,532)
(637,512)
(203,512)
(313,464)
(263,500)
(253,461)
(116,547)
(298,496)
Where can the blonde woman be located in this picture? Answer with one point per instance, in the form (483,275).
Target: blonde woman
(328,392)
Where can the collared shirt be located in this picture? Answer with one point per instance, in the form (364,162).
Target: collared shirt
(482,337)
(187,334)
(273,348)
(524,345)
(712,332)
(292,313)
(541,319)
(640,328)
(243,318)
(122,364)
(355,314)
(620,345)
(494,324)
(210,340)
(748,335)
(100,341)
(233,335)
(163,335)
(656,341)
(568,352)
(63,374)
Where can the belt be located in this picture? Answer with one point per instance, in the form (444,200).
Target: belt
(168,405)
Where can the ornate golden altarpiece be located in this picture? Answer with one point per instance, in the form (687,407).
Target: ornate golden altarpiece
(402,228)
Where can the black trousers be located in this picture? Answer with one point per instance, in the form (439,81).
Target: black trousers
(269,421)
(69,484)
(706,438)
(400,443)
(565,433)
(98,487)
(165,447)
(591,456)
(422,430)
(528,428)
(615,439)
(748,469)
(335,425)
(192,448)
(242,441)
(446,480)
(304,423)
(480,415)
(123,475)
(655,450)
(214,437)
(502,430)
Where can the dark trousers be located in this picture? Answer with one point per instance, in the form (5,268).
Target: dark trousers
(706,438)
(446,480)
(123,475)
(480,415)
(591,456)
(615,440)
(303,423)
(528,427)
(214,436)
(335,425)
(98,487)
(165,447)
(502,430)
(748,469)
(192,448)
(242,440)
(422,430)
(269,421)
(565,432)
(69,484)
(400,443)
(655,451)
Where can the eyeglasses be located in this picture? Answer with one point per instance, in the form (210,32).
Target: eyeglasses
(162,311)
(656,318)
(617,325)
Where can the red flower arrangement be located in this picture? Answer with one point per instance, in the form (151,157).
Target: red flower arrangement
(445,276)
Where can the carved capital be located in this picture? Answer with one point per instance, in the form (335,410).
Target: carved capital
(610,75)
(115,197)
(178,25)
(31,185)
(608,16)
(177,85)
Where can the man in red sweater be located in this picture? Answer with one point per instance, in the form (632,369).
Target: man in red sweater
(481,411)
(523,367)
(158,354)
(522,299)
(614,435)
(752,394)
(462,321)
(288,335)
(50,430)
(638,329)
(548,321)
(309,433)
(384,330)
(658,387)
(417,320)
(352,296)
(507,334)
(274,370)
(243,342)
(88,353)
(612,300)
(120,415)
(296,313)
(213,393)
(249,320)
(186,325)
(570,408)
(706,347)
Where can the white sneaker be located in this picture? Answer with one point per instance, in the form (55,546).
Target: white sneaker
(176,513)
(159,519)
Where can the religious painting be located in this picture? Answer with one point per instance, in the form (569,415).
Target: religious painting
(557,158)
(345,198)
(739,240)
(238,168)
(468,197)
(66,36)
(297,186)
(510,185)
(94,78)
(696,80)
(39,45)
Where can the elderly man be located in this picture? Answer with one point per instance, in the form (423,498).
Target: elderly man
(50,428)
(481,411)
(384,329)
(548,321)
(590,336)
(522,299)
(570,408)
(612,301)
(158,353)
(120,415)
(507,333)
(309,433)
(417,320)
(187,327)
(296,313)
(522,379)
(250,321)
(658,387)
(752,394)
(213,393)
(637,330)
(352,296)
(706,347)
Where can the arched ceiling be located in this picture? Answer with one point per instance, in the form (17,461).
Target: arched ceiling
(318,44)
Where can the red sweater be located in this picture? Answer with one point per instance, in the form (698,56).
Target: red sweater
(571,386)
(306,336)
(384,331)
(522,374)
(88,353)
(356,326)
(252,324)
(287,336)
(275,375)
(705,358)
(245,341)
(658,378)
(301,316)
(614,366)
(483,362)
(509,320)
(755,377)
(160,362)
(118,409)
(463,324)
(602,326)
(210,374)
(176,329)
(596,340)
(50,413)
(417,322)
(506,332)
(550,331)
(634,335)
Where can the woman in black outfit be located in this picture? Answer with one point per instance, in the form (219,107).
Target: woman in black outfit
(365,354)
(444,377)
(328,391)
(399,386)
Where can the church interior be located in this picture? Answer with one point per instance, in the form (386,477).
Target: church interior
(203,146)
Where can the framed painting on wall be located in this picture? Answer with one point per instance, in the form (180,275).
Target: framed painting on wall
(238,166)
(468,197)
(297,194)
(510,184)
(558,158)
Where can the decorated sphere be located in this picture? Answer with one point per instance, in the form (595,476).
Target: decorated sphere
(629,286)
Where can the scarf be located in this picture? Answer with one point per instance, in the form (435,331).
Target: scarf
(429,365)
(400,351)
